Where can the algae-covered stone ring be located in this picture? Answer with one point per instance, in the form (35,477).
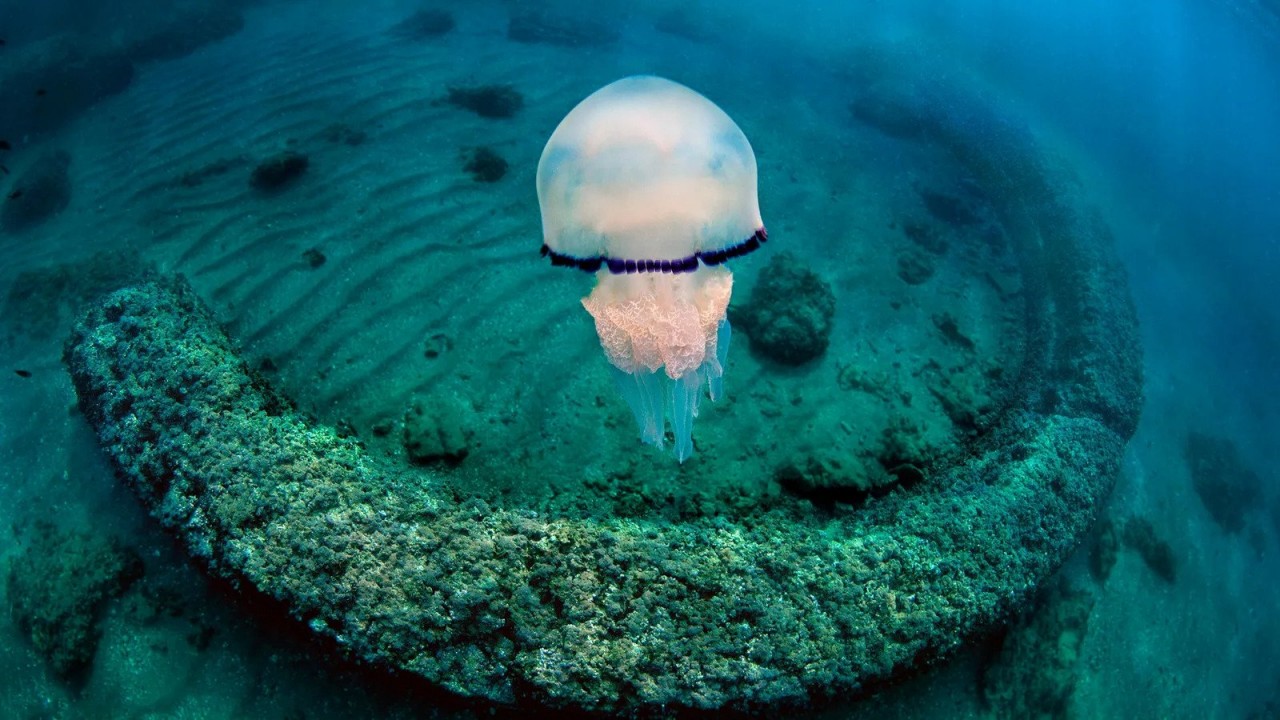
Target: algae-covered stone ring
(653,187)
(752,604)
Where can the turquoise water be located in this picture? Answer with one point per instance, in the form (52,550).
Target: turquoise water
(392,289)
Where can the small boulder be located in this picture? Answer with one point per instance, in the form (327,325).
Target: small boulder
(278,171)
(438,430)
(831,474)
(485,165)
(59,584)
(789,314)
(1228,487)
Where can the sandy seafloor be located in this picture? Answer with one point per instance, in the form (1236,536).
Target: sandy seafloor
(419,255)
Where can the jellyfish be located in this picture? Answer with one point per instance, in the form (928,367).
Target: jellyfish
(652,187)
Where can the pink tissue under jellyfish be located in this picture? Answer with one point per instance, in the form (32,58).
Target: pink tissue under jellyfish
(652,187)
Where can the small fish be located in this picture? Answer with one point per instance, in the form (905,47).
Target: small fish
(4,145)
(23,373)
(40,92)
(4,169)
(1,42)
(15,194)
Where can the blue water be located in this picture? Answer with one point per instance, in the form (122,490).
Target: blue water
(1168,112)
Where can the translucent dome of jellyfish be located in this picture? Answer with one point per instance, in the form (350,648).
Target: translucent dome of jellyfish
(652,187)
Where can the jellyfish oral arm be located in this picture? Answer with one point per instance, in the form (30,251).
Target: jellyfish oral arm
(667,338)
(654,322)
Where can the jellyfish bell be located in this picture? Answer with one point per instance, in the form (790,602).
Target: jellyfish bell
(652,187)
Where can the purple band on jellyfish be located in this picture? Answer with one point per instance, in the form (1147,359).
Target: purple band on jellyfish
(618,266)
